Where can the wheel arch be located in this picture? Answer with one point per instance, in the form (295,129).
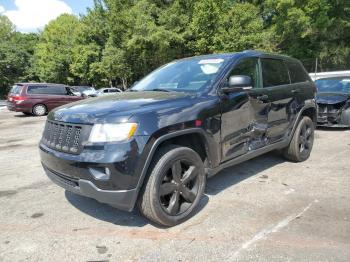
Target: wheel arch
(310,110)
(187,137)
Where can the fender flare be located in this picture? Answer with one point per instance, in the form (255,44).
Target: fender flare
(155,146)
(300,115)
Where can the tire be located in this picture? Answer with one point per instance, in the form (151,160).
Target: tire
(175,186)
(301,144)
(39,110)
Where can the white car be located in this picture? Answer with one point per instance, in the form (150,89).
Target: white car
(106,91)
(86,91)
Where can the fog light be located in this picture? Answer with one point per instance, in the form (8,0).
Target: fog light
(100,173)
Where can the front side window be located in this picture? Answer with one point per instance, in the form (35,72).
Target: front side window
(274,72)
(248,67)
(333,85)
(189,75)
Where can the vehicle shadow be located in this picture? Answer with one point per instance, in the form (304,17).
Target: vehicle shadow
(223,180)
(236,174)
(332,129)
(23,116)
(112,215)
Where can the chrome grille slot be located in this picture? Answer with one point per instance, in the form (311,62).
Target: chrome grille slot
(65,137)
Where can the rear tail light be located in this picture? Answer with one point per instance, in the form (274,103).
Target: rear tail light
(19,98)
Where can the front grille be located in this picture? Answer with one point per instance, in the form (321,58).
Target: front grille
(329,109)
(65,137)
(329,113)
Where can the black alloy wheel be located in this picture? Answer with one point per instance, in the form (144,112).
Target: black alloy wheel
(179,188)
(175,186)
(302,141)
(306,138)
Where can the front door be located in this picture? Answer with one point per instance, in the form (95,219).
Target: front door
(244,114)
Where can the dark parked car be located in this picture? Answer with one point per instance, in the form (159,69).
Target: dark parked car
(156,145)
(333,101)
(39,99)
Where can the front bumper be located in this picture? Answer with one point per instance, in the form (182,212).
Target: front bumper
(121,199)
(110,174)
(337,118)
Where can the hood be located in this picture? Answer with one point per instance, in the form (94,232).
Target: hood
(117,107)
(331,98)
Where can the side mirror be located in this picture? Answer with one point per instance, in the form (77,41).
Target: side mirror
(238,83)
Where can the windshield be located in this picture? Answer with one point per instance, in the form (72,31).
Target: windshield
(334,85)
(16,90)
(188,75)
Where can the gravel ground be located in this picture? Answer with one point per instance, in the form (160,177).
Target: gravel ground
(266,209)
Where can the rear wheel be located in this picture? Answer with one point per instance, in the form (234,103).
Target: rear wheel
(39,110)
(175,186)
(301,145)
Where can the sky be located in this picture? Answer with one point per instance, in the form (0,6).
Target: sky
(33,15)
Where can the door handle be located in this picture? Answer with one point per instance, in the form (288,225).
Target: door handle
(295,91)
(263,98)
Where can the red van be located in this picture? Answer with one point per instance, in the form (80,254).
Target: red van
(39,99)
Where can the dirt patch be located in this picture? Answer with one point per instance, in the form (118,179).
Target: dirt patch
(8,193)
(101,249)
(36,215)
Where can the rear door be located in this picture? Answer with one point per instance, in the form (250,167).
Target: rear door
(44,94)
(276,82)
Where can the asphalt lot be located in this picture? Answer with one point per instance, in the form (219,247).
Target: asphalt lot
(266,209)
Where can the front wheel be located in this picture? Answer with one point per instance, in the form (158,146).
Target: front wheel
(302,142)
(174,187)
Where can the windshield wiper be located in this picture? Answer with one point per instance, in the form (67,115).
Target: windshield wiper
(158,90)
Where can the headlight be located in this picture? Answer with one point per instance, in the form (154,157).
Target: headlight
(101,133)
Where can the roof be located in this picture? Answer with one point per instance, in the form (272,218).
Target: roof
(246,53)
(316,76)
(40,84)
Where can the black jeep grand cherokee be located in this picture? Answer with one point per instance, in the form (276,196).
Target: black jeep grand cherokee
(156,144)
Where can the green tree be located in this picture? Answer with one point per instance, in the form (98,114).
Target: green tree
(6,28)
(16,55)
(242,28)
(205,25)
(54,52)
(91,37)
(312,28)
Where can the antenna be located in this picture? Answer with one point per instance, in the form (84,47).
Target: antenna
(316,67)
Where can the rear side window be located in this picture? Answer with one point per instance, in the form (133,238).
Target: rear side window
(16,90)
(47,90)
(297,72)
(274,72)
